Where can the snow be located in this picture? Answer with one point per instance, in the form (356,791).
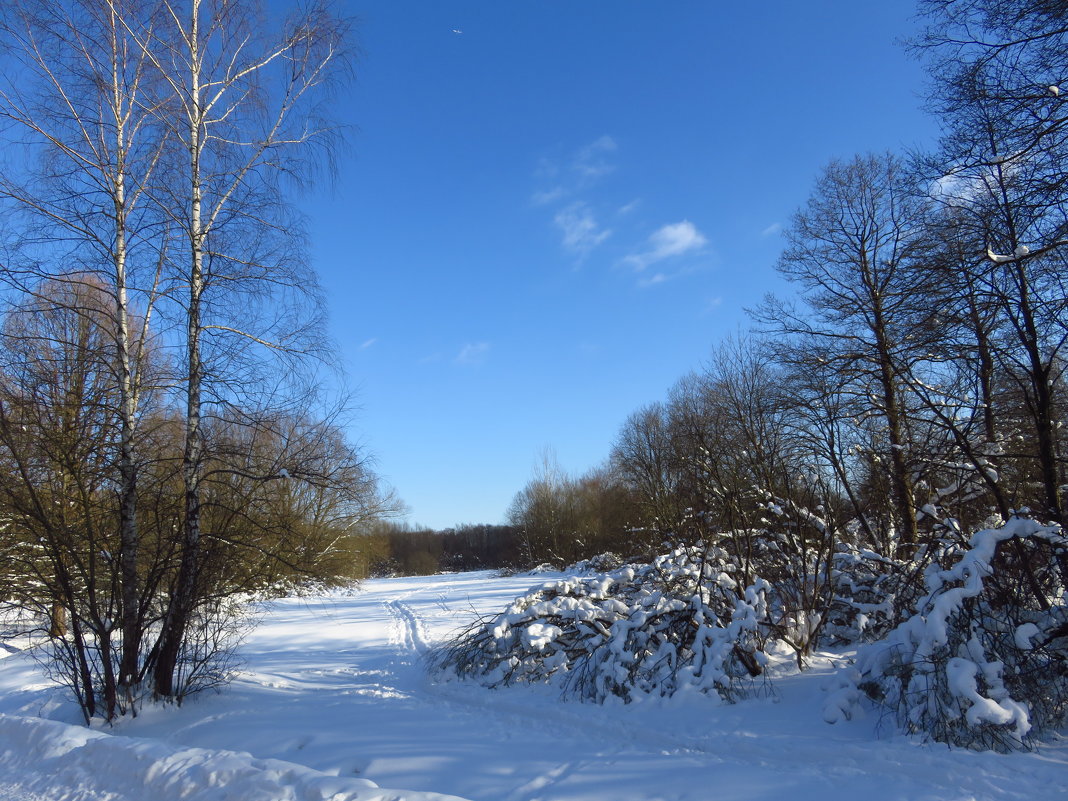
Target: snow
(540,636)
(934,682)
(961,675)
(1023,635)
(333,698)
(70,762)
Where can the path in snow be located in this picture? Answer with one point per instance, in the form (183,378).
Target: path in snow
(337,684)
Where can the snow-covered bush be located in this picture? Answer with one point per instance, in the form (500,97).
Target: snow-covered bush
(796,552)
(868,588)
(983,660)
(679,623)
(544,567)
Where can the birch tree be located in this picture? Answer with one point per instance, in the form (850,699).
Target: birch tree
(161,140)
(243,98)
(80,104)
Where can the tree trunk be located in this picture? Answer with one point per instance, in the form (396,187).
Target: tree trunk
(57,626)
(184,593)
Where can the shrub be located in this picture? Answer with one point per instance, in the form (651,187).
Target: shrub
(983,660)
(868,591)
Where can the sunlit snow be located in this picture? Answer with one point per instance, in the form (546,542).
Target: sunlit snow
(333,700)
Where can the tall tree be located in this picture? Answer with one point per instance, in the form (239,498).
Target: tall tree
(244,96)
(848,252)
(998,70)
(146,124)
(81,103)
(643,456)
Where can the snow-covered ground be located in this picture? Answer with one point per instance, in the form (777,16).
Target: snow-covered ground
(333,701)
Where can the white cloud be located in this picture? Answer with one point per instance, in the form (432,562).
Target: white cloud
(473,353)
(580,229)
(668,241)
(368,343)
(572,174)
(772,229)
(627,209)
(964,187)
(563,186)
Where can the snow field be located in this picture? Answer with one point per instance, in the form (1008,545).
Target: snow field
(334,690)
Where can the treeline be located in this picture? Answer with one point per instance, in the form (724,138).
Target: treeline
(165,448)
(555,520)
(914,386)
(399,549)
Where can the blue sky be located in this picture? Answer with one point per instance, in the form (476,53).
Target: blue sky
(549,211)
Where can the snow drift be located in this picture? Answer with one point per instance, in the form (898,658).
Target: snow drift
(60,762)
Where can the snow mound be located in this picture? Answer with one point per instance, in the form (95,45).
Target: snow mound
(48,759)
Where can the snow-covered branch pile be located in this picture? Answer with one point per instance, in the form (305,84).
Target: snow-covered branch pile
(681,623)
(966,643)
(599,563)
(983,660)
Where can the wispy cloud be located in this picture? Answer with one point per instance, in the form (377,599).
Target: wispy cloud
(581,231)
(571,175)
(629,207)
(668,241)
(591,162)
(368,343)
(473,353)
(772,230)
(653,280)
(547,196)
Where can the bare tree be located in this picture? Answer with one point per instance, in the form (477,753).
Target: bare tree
(149,124)
(644,458)
(543,512)
(243,99)
(58,428)
(283,501)
(998,70)
(848,252)
(81,104)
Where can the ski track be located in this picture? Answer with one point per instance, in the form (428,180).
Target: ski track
(408,633)
(409,630)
